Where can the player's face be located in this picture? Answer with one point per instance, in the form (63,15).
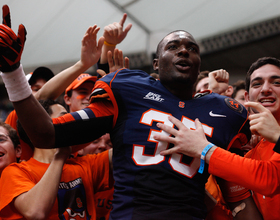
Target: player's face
(80,96)
(202,84)
(179,59)
(8,153)
(265,88)
(99,145)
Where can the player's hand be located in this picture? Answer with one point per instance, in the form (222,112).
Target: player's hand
(218,81)
(186,141)
(115,62)
(114,33)
(91,50)
(6,16)
(263,123)
(11,45)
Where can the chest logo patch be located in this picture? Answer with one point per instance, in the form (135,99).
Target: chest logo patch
(154,97)
(233,104)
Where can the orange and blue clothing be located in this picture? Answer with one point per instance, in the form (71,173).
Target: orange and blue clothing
(128,104)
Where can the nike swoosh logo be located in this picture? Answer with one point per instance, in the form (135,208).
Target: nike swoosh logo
(216,115)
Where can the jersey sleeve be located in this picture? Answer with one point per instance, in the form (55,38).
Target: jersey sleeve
(85,125)
(257,175)
(13,182)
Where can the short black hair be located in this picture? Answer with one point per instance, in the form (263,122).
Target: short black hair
(159,44)
(256,65)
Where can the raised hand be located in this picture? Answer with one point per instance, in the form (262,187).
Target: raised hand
(91,50)
(218,81)
(6,16)
(114,33)
(11,45)
(115,62)
(263,122)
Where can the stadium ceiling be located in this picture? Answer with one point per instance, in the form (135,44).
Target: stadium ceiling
(230,32)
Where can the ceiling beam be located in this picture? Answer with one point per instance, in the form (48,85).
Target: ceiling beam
(121,8)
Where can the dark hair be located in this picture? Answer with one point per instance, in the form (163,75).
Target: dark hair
(238,85)
(201,75)
(69,93)
(256,65)
(12,133)
(47,106)
(159,44)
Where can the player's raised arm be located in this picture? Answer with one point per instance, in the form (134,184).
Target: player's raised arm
(33,117)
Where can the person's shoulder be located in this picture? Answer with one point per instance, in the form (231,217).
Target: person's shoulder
(124,74)
(228,104)
(16,167)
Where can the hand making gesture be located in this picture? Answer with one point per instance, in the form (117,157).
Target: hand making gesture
(263,123)
(11,45)
(113,34)
(90,51)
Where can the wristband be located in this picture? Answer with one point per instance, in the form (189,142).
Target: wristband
(16,85)
(277,146)
(202,158)
(110,45)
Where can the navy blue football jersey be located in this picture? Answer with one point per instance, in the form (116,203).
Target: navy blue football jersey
(148,185)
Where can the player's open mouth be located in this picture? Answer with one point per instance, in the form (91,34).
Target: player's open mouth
(182,65)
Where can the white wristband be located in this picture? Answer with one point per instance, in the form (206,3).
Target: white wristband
(16,85)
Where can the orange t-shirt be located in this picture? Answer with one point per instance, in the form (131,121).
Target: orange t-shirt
(261,175)
(103,202)
(81,178)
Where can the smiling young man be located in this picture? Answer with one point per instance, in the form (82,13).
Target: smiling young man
(127,103)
